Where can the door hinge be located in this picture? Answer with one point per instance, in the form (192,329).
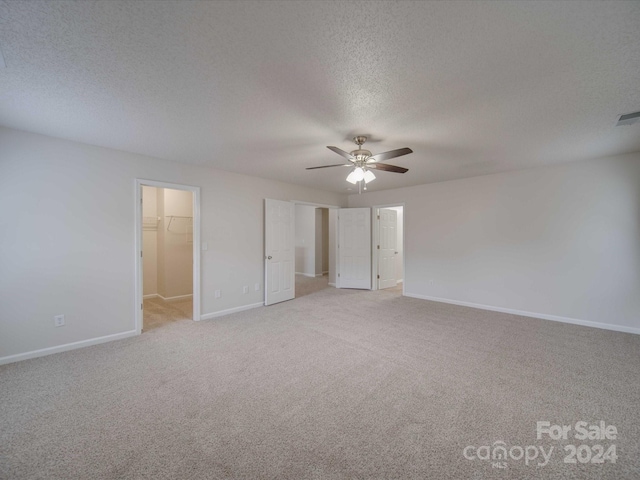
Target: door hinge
(378,277)
(140,253)
(141,306)
(378,217)
(338,275)
(378,247)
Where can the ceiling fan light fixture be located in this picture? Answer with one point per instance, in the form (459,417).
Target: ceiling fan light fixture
(351,178)
(369,176)
(358,174)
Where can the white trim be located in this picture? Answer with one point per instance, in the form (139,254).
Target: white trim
(229,311)
(331,284)
(174,299)
(166,299)
(311,275)
(311,204)
(543,316)
(66,347)
(139,297)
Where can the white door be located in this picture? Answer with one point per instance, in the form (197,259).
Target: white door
(354,248)
(388,248)
(279,251)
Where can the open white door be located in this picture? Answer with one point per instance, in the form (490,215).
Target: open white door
(388,248)
(354,248)
(279,251)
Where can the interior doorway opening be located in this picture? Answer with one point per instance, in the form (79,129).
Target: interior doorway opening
(167,260)
(167,251)
(312,242)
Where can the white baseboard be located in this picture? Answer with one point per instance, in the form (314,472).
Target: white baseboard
(319,275)
(310,275)
(399,281)
(66,347)
(151,295)
(331,284)
(543,316)
(174,299)
(229,311)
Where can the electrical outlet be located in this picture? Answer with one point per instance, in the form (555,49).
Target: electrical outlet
(217,293)
(245,289)
(256,287)
(58,321)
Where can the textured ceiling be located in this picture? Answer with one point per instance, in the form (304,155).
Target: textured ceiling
(262,87)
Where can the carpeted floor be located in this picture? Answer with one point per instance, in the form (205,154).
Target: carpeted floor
(335,384)
(158,312)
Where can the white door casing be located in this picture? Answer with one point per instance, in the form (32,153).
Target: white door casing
(388,239)
(354,248)
(279,251)
(138,246)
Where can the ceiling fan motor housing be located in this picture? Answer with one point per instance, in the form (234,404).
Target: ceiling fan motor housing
(360,155)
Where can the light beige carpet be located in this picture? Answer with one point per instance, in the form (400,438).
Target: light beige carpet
(309,285)
(336,384)
(158,312)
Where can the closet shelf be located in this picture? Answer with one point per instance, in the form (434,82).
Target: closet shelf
(150,223)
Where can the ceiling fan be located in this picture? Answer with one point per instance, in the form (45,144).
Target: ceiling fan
(363,162)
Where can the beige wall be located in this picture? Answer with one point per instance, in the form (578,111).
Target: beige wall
(175,251)
(333,244)
(562,241)
(68,237)
(318,242)
(325,241)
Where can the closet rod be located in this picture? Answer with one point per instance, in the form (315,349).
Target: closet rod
(174,216)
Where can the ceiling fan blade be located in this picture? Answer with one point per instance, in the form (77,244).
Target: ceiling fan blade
(387,168)
(381,157)
(327,166)
(346,155)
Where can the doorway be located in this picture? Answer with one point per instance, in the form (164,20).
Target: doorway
(281,281)
(389,240)
(312,262)
(168,260)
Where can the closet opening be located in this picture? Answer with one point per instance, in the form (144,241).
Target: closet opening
(168,287)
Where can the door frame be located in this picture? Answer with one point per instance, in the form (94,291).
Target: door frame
(139,183)
(375,238)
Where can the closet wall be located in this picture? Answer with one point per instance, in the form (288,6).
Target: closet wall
(322,241)
(167,239)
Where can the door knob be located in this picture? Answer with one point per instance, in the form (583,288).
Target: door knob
(269,257)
